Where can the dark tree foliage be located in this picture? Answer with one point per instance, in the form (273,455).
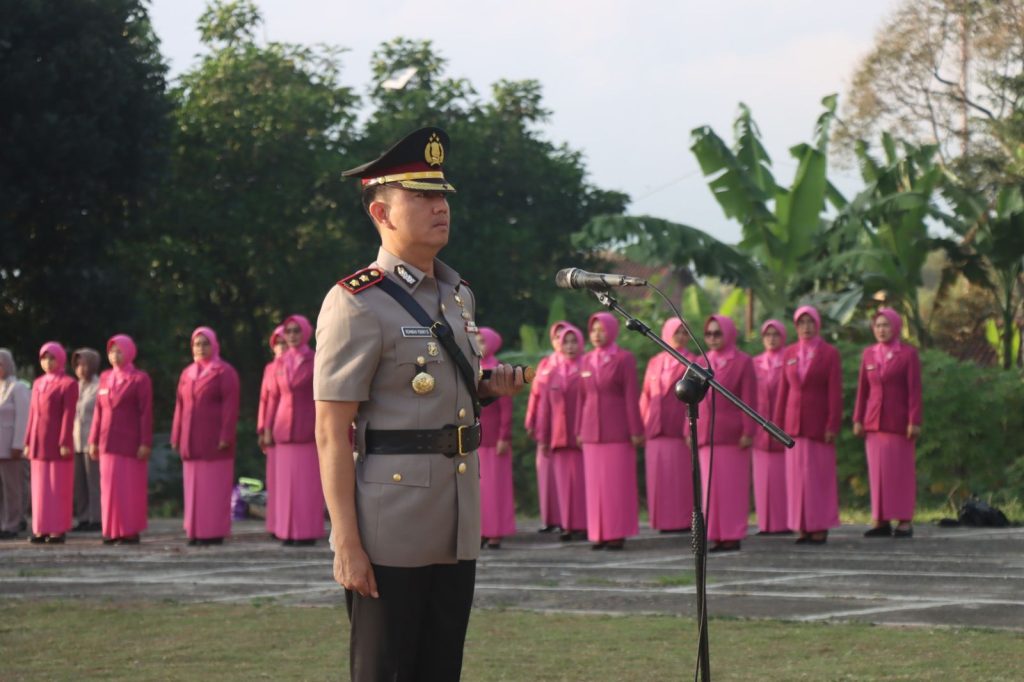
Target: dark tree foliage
(82,131)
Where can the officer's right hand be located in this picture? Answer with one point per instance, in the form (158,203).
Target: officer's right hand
(352,570)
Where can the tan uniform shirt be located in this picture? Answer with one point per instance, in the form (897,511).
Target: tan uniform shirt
(416,509)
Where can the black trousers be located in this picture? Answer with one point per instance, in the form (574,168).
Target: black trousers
(416,629)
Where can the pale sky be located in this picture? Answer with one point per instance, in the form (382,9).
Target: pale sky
(626,81)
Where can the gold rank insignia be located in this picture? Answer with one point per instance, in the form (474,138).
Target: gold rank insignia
(434,151)
(361,280)
(432,349)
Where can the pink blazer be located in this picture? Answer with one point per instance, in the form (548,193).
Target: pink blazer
(206,413)
(737,376)
(291,410)
(496,422)
(123,419)
(810,407)
(51,417)
(768,376)
(556,410)
(889,397)
(543,370)
(664,414)
(267,386)
(609,410)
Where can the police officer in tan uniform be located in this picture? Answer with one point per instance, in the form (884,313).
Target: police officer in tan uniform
(396,353)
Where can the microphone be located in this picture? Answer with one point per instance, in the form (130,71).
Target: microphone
(574,278)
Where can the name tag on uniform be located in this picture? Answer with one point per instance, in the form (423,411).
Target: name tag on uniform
(416,332)
(104,391)
(791,361)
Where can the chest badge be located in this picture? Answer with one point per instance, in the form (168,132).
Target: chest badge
(432,349)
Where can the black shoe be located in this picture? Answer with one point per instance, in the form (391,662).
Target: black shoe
(548,529)
(674,531)
(130,540)
(192,542)
(811,540)
(308,542)
(566,536)
(494,544)
(37,539)
(903,532)
(598,545)
(616,545)
(109,541)
(803,540)
(726,546)
(55,539)
(883,531)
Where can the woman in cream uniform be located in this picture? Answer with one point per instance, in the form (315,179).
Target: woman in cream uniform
(15,398)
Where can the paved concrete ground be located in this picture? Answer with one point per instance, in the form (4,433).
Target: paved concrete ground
(942,577)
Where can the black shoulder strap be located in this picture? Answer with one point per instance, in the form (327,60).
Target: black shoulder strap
(441,331)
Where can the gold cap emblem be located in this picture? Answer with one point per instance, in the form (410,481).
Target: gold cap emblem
(422,383)
(434,152)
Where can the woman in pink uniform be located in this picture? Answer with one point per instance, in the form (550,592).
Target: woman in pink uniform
(121,437)
(497,499)
(299,499)
(556,430)
(204,433)
(809,407)
(49,445)
(888,416)
(610,430)
(546,489)
(727,495)
(263,424)
(769,454)
(666,428)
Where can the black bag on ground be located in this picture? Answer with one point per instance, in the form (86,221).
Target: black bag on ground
(975,512)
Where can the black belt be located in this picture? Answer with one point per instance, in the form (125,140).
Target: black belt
(449,441)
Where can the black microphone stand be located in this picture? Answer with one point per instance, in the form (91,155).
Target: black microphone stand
(691,389)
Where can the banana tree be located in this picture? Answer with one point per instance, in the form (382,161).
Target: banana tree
(782,227)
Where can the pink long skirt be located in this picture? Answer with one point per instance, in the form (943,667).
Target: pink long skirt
(299,498)
(208,486)
(609,471)
(570,485)
(892,476)
(497,500)
(727,509)
(547,491)
(770,491)
(53,494)
(271,474)
(669,483)
(812,494)
(124,495)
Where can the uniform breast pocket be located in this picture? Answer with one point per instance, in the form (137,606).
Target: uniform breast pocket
(419,351)
(397,470)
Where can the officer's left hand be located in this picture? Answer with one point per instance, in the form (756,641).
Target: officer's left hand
(505,380)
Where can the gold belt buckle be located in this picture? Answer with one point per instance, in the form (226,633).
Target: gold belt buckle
(459,432)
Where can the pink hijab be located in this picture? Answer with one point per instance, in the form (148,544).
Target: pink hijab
(668,331)
(719,358)
(555,332)
(493,341)
(884,351)
(59,354)
(197,367)
(563,365)
(611,332)
(293,357)
(773,358)
(128,353)
(278,333)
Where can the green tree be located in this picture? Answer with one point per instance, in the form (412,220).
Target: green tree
(254,218)
(83,130)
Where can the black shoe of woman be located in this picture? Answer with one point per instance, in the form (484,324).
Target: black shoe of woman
(37,539)
(881,531)
(903,532)
(55,539)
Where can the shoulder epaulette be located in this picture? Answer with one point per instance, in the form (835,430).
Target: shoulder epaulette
(464,282)
(361,280)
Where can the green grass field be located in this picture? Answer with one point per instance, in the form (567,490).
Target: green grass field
(170,641)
